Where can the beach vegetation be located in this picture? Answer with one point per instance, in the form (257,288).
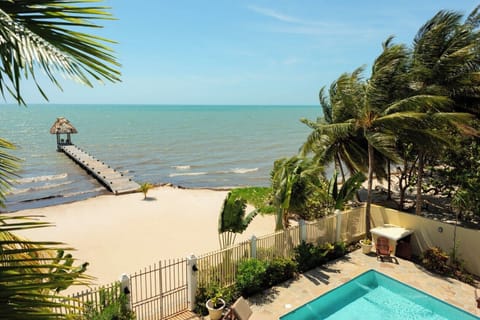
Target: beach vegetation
(410,111)
(259,197)
(233,219)
(144,188)
(293,181)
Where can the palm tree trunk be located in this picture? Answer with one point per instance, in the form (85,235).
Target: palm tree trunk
(339,163)
(419,200)
(389,188)
(279,220)
(369,191)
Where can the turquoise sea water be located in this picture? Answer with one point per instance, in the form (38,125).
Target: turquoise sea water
(191,146)
(373,295)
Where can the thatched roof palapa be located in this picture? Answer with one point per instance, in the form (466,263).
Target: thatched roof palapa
(62,125)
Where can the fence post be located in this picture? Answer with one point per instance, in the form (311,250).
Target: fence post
(338,228)
(192,279)
(303,230)
(125,289)
(253,246)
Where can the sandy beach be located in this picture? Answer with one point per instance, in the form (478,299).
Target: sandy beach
(123,234)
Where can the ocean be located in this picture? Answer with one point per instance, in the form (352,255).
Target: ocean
(190,146)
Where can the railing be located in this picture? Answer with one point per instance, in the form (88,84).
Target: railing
(160,291)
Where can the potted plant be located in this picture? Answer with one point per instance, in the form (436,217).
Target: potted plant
(366,245)
(215,307)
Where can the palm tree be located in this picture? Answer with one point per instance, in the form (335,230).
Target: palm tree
(38,35)
(144,188)
(292,179)
(343,96)
(446,61)
(46,35)
(381,112)
(347,190)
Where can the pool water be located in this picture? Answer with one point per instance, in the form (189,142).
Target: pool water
(373,295)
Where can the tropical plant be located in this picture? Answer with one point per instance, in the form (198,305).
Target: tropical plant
(144,188)
(9,166)
(47,36)
(347,190)
(32,273)
(387,110)
(446,61)
(232,219)
(293,180)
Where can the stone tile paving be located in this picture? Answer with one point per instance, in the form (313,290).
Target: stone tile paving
(279,300)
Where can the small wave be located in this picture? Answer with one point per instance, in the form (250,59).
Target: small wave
(187,167)
(244,170)
(78,193)
(42,178)
(33,189)
(187,174)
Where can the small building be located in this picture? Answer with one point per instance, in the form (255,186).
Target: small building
(63,129)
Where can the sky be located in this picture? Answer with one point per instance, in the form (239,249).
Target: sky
(268,52)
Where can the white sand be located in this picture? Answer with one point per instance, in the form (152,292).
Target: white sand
(123,234)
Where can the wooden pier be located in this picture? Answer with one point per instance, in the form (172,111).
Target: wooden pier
(113,180)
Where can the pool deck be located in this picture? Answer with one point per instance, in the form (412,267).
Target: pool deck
(279,300)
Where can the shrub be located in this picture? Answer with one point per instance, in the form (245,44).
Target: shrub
(436,260)
(111,307)
(309,256)
(251,277)
(280,270)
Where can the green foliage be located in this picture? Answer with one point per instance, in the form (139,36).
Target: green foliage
(251,276)
(32,273)
(436,260)
(9,166)
(50,36)
(259,197)
(309,256)
(144,188)
(213,290)
(347,190)
(293,181)
(112,306)
(279,270)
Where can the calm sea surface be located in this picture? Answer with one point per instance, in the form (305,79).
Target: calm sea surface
(191,146)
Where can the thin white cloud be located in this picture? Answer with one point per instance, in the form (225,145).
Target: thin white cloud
(274,14)
(295,25)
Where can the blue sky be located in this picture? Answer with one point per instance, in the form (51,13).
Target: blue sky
(273,52)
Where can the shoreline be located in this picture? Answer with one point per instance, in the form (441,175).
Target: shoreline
(125,233)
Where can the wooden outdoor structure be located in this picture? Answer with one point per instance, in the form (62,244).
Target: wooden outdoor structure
(60,128)
(112,179)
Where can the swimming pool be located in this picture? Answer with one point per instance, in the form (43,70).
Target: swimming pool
(373,295)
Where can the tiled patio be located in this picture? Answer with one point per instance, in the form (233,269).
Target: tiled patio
(281,299)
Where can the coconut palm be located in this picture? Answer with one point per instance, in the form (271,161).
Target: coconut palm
(144,188)
(46,36)
(39,35)
(292,180)
(381,112)
(446,61)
